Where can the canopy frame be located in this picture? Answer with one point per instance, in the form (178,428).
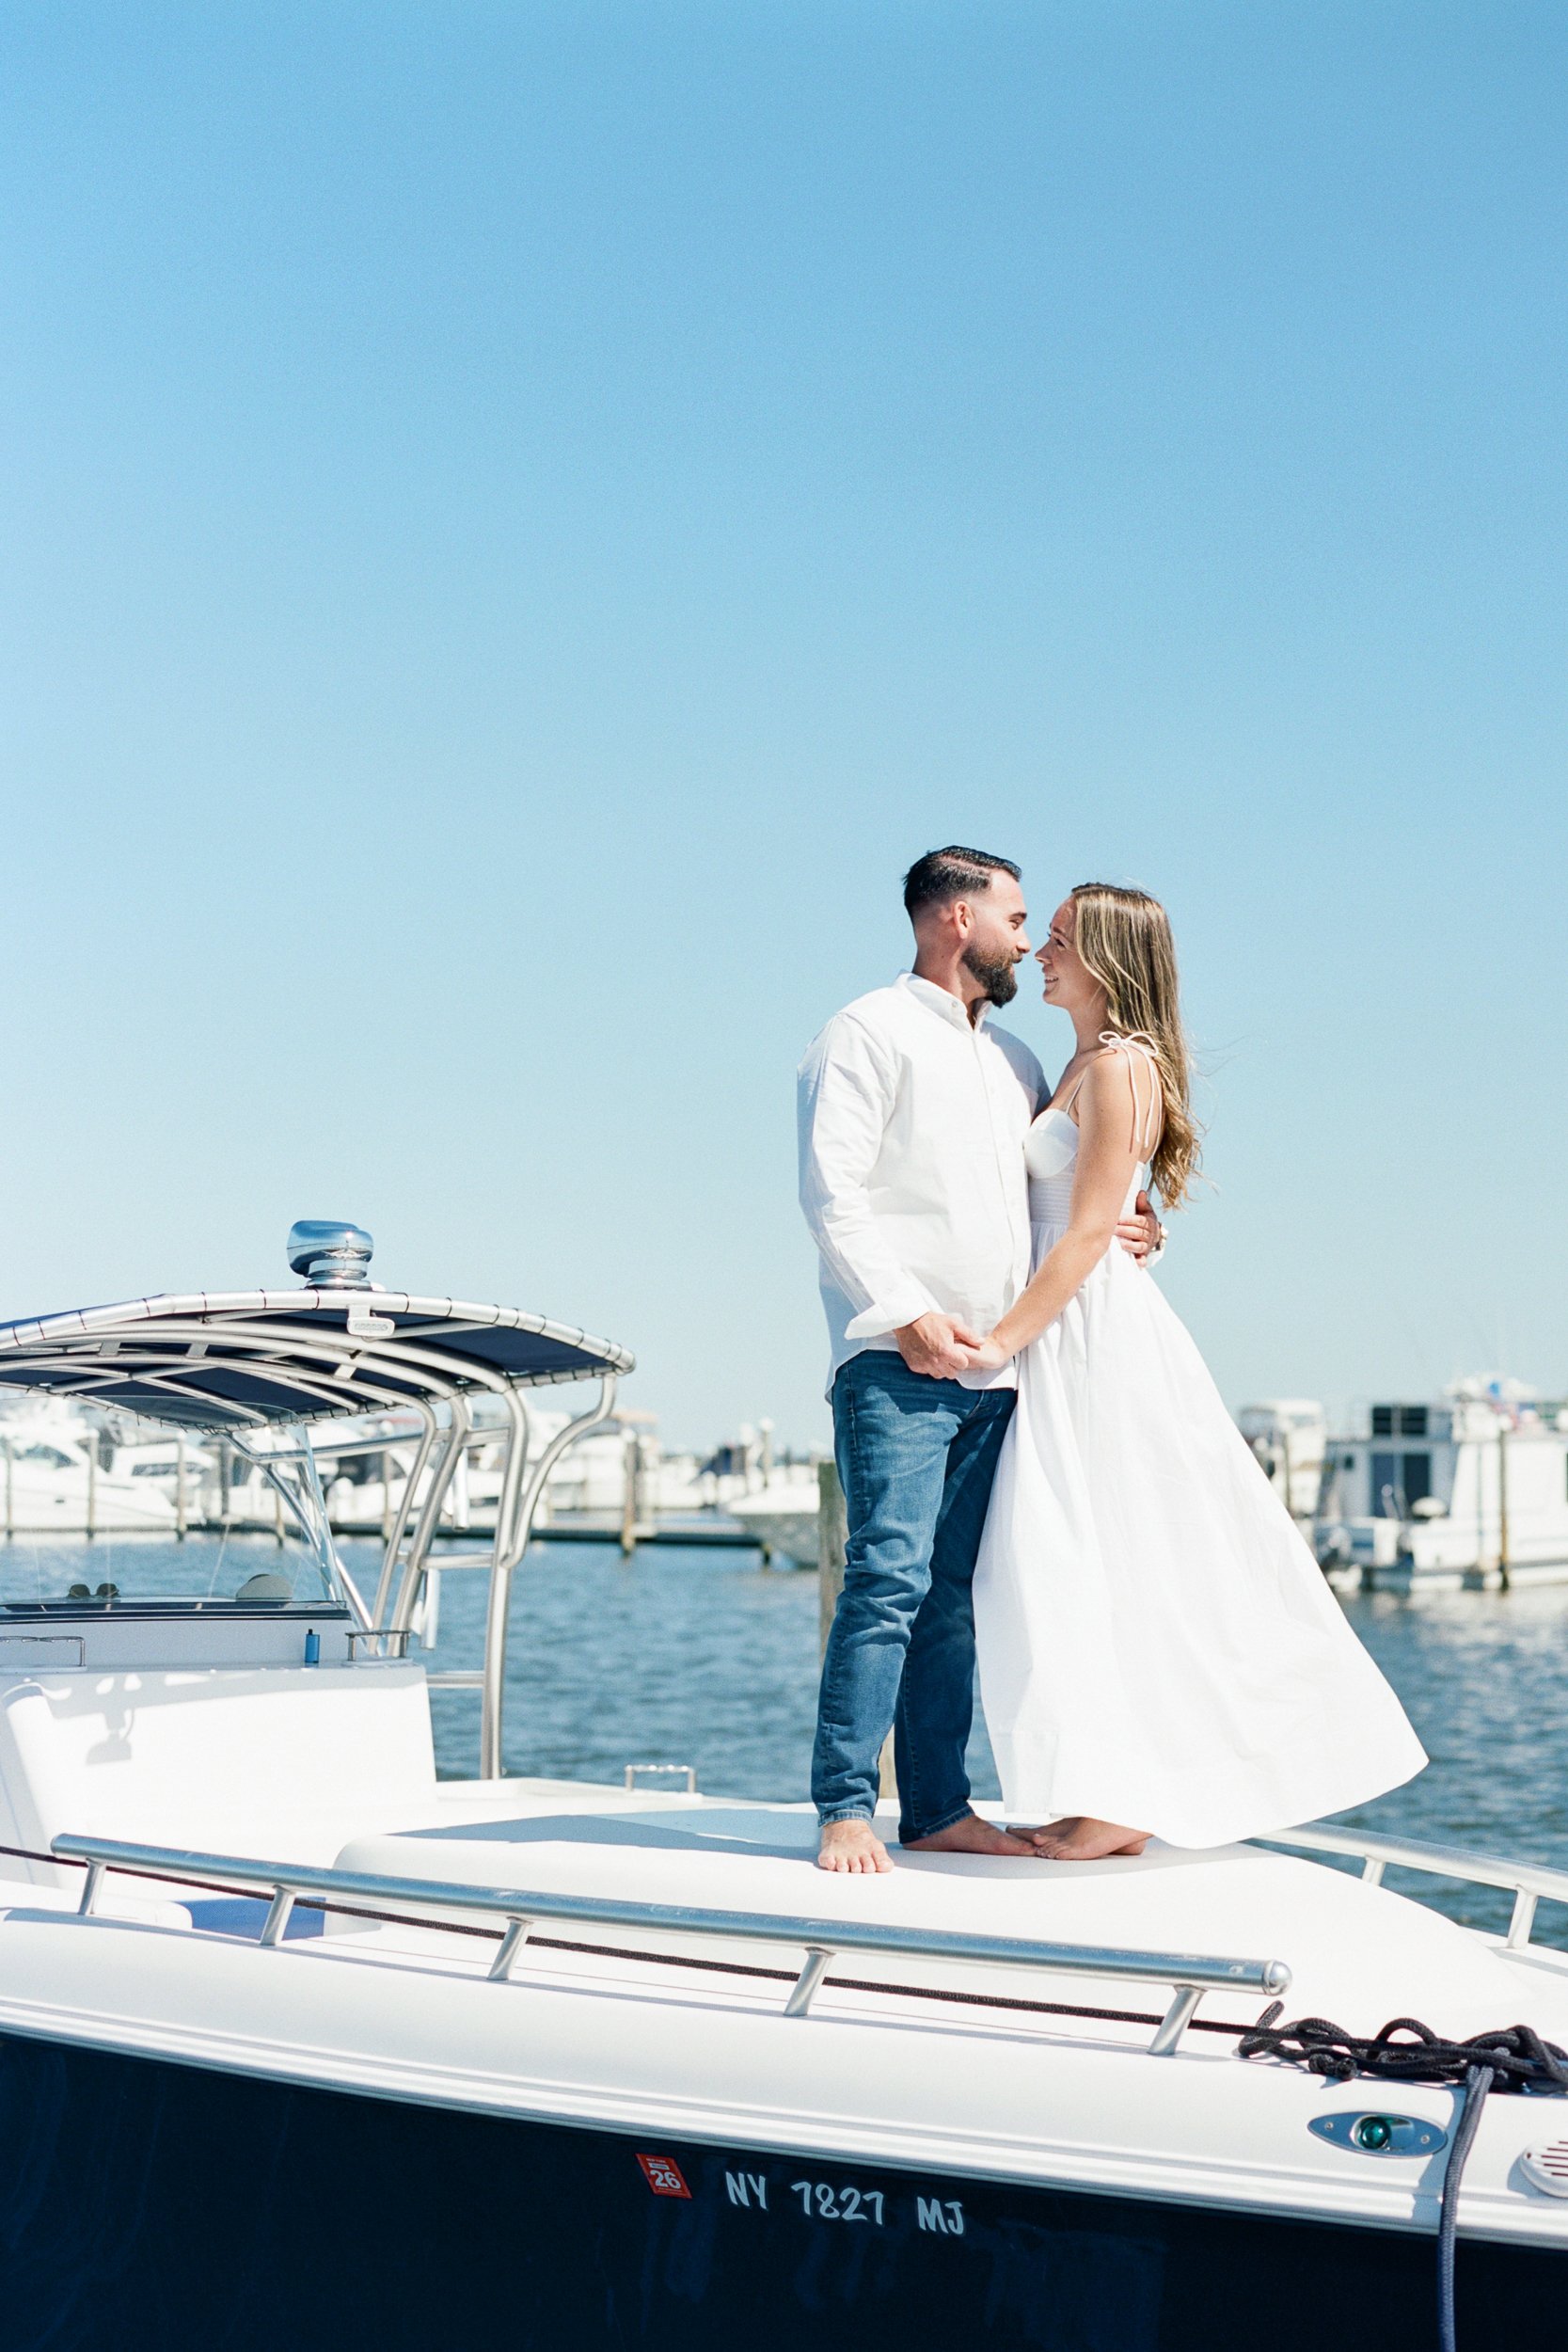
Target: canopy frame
(324,1354)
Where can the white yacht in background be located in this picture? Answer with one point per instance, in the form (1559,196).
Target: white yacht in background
(62,1475)
(301,2046)
(1287,1435)
(783,1516)
(1469,1490)
(364,1468)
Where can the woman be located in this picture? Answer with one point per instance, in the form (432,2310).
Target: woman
(1159,1652)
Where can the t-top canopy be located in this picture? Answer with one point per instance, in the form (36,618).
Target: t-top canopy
(243,1358)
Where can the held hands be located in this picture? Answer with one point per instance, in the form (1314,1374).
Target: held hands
(940,1347)
(1141,1233)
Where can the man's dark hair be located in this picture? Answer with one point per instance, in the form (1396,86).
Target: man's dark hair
(942,875)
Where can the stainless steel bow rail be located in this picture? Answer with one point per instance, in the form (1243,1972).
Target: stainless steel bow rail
(1190,1974)
(1528,1882)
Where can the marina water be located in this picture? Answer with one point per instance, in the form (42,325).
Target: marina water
(706,1657)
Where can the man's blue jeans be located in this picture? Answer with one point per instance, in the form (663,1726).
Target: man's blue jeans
(916,1459)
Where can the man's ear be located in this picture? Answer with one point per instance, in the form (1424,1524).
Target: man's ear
(962,917)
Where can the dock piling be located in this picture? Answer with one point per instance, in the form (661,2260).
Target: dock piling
(630,1494)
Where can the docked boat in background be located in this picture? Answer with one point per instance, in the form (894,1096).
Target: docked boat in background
(299,2042)
(783,1514)
(1287,1435)
(61,1474)
(1468,1491)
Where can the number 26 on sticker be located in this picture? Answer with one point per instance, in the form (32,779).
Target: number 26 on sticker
(821,2203)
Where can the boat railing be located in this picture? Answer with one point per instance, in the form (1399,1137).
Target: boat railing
(388,1642)
(1189,1975)
(1528,1882)
(406,1553)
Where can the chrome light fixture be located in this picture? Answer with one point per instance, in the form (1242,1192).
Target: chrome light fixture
(330,1253)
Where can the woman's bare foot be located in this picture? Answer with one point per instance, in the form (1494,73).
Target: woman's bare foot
(973,1835)
(1081,1838)
(852,1845)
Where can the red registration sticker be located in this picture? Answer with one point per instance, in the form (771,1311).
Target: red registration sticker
(664,2176)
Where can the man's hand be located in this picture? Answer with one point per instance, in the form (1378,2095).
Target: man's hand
(937,1345)
(1141,1232)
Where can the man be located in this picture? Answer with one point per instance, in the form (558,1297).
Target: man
(913,1111)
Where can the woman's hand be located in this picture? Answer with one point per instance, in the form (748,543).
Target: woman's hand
(989,1355)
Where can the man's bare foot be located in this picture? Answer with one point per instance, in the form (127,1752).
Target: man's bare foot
(973,1835)
(852,1845)
(1081,1838)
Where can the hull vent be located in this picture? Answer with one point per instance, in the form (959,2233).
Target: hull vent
(1546,2169)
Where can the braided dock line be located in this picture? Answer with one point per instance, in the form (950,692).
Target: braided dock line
(1509,2057)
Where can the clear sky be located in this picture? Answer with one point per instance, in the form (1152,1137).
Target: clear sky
(521,520)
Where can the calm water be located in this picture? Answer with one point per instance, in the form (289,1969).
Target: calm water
(704,1657)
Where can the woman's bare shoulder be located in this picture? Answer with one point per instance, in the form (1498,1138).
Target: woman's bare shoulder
(1108,1082)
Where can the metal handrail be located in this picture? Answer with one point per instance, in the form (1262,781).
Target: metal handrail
(1526,1882)
(384,1641)
(631,1774)
(518,1504)
(1190,1974)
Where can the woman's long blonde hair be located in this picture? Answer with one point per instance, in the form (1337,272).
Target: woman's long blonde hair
(1124,938)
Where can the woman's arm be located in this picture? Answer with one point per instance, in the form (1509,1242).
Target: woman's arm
(1108,1151)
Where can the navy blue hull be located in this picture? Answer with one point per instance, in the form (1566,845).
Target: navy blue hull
(144,2204)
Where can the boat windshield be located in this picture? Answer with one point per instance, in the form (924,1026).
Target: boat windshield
(154,1520)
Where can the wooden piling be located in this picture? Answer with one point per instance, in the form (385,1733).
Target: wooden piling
(629,1494)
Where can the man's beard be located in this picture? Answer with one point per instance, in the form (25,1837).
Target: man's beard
(996,974)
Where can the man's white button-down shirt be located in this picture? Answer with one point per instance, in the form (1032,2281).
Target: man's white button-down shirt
(913,1179)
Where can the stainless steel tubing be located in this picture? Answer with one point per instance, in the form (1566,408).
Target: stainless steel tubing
(430,1515)
(506,1563)
(1191,1974)
(1526,1882)
(406,1504)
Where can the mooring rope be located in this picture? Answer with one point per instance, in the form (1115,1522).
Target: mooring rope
(1510,2058)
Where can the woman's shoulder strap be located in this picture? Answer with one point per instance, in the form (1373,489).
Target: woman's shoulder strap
(1142,1064)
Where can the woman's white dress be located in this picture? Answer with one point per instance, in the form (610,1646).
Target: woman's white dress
(1157,1644)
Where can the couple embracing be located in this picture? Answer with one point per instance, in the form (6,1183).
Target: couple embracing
(1038,1471)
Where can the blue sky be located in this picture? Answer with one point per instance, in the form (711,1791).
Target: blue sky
(521,522)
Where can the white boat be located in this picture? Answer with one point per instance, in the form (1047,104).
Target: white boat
(300,2044)
(59,1475)
(783,1515)
(1287,1435)
(364,1468)
(1471,1490)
